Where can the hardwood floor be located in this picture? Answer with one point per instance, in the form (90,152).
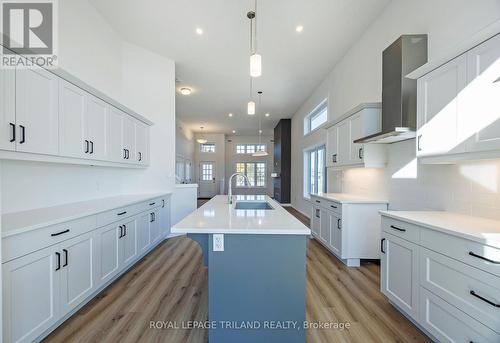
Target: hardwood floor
(170,284)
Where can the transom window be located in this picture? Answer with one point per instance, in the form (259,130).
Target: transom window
(207,147)
(316,118)
(207,171)
(255,171)
(249,148)
(315,171)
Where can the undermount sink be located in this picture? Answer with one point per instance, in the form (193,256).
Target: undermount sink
(253,205)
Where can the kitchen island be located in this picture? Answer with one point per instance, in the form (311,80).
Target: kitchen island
(255,252)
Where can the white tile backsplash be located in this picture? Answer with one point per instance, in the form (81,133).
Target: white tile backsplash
(471,188)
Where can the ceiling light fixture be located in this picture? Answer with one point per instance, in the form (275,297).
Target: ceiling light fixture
(299,28)
(230,114)
(260,152)
(185,91)
(201,140)
(234,131)
(267,114)
(255,57)
(199,31)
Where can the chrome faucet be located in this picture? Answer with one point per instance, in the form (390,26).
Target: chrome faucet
(230,188)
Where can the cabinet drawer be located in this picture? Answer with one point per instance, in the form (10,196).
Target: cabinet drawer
(455,281)
(401,229)
(112,216)
(28,242)
(328,204)
(448,324)
(475,254)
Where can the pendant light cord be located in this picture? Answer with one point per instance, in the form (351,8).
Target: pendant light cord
(255,43)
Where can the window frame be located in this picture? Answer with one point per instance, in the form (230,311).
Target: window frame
(321,108)
(211,164)
(249,148)
(207,144)
(255,174)
(308,178)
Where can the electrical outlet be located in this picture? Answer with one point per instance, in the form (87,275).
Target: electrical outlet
(218,242)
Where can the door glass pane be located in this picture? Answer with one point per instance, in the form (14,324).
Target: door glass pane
(261,174)
(206,172)
(251,173)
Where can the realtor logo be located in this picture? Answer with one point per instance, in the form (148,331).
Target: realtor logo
(29,29)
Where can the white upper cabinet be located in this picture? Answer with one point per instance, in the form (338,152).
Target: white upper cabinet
(142,146)
(360,122)
(480,118)
(116,152)
(37,111)
(438,107)
(458,106)
(72,140)
(96,121)
(7,109)
(128,138)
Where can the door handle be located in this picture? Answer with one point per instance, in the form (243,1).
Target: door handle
(334,158)
(140,156)
(91,147)
(360,153)
(124,230)
(163,203)
(121,231)
(13,127)
(382,245)
(65,257)
(151,217)
(58,261)
(87,146)
(124,154)
(23,134)
(339,224)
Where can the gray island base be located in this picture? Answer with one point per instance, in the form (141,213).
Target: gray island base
(256,287)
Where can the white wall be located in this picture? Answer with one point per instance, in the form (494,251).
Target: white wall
(141,80)
(232,158)
(184,141)
(357,78)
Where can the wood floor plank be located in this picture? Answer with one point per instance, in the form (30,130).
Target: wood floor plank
(171,284)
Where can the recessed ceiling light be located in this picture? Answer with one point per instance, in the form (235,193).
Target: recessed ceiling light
(234,131)
(299,28)
(230,114)
(185,91)
(267,114)
(260,131)
(199,31)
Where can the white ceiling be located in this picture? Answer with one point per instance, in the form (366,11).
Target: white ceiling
(215,65)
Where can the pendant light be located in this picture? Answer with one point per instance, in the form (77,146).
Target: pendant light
(251,103)
(260,152)
(201,140)
(255,58)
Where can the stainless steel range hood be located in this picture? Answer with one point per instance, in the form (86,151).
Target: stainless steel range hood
(399,94)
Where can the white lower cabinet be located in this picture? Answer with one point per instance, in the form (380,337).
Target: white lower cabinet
(428,275)
(351,231)
(164,217)
(399,270)
(31,295)
(40,288)
(78,270)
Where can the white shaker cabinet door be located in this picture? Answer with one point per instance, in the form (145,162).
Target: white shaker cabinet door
(31,295)
(335,243)
(344,145)
(143,240)
(399,273)
(116,151)
(332,139)
(78,271)
(154,227)
(129,143)
(72,108)
(7,109)
(164,213)
(108,252)
(356,132)
(438,108)
(479,119)
(96,121)
(37,112)
(128,243)
(142,143)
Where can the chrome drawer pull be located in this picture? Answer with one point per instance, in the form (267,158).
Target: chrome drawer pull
(484,299)
(483,258)
(397,228)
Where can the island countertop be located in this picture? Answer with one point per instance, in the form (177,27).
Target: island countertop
(217,216)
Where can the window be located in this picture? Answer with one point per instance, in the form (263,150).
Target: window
(249,148)
(207,171)
(207,147)
(255,171)
(316,118)
(315,171)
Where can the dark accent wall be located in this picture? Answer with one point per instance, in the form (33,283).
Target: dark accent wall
(282,160)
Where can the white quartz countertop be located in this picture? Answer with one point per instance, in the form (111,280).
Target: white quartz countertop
(345,198)
(217,216)
(482,230)
(19,222)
